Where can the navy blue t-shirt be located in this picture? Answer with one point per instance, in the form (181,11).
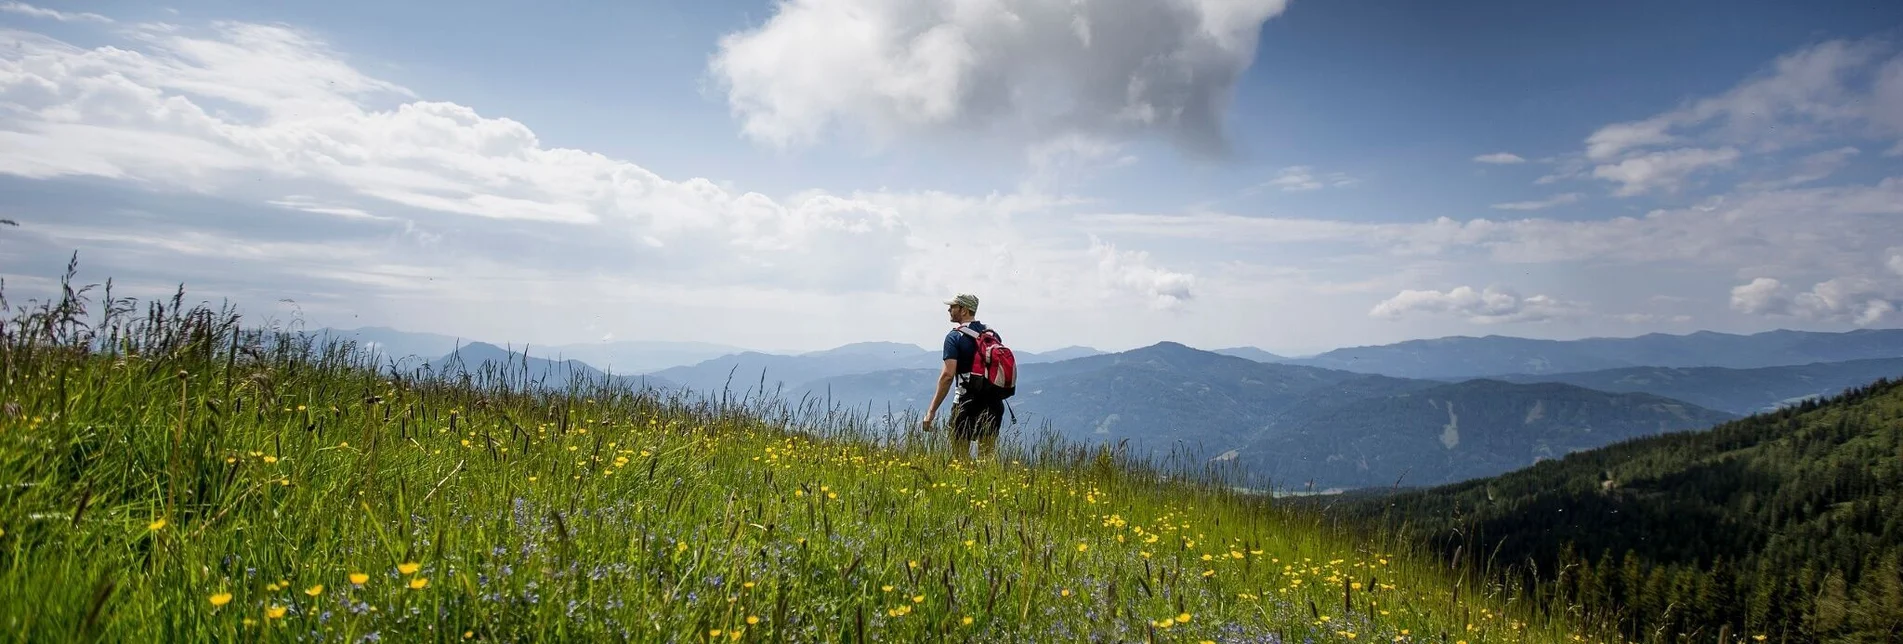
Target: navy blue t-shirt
(962,347)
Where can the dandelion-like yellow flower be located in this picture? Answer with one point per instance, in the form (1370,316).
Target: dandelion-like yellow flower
(220,599)
(408,568)
(752,619)
(314,590)
(359,578)
(156,525)
(418,583)
(274,612)
(967,620)
(1183,618)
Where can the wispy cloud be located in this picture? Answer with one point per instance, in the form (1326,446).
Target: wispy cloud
(1303,178)
(1811,167)
(1665,171)
(39,12)
(1835,90)
(1542,204)
(1500,158)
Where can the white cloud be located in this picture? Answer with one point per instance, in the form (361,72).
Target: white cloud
(1500,157)
(1131,273)
(1489,306)
(1761,295)
(1302,178)
(1028,70)
(1665,171)
(294,114)
(1857,300)
(1542,204)
(1896,261)
(268,115)
(40,12)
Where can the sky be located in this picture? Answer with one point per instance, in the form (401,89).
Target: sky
(1291,175)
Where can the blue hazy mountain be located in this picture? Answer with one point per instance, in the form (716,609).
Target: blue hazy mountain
(1469,357)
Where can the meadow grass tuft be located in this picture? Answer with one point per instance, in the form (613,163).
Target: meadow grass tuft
(175,475)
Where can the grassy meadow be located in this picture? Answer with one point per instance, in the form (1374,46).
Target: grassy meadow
(180,474)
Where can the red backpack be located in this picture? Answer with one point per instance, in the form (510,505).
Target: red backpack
(994,369)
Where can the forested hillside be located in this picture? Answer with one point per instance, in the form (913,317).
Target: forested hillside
(1787,525)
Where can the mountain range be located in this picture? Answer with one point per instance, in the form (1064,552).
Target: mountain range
(1473,357)
(1290,423)
(1291,426)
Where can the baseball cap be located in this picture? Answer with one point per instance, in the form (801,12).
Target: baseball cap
(967,300)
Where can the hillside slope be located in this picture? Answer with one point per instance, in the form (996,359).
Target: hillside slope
(1788,524)
(1458,431)
(197,488)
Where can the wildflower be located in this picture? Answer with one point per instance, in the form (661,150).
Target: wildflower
(967,622)
(359,578)
(220,599)
(408,568)
(751,619)
(314,590)
(418,583)
(156,525)
(274,612)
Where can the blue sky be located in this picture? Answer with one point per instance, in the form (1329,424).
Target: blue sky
(1346,206)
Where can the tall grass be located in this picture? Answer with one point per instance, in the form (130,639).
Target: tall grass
(172,474)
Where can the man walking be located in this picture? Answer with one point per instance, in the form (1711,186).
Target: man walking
(972,417)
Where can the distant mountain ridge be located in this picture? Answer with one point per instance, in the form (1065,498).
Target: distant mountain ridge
(1739,391)
(1288,425)
(478,358)
(1472,357)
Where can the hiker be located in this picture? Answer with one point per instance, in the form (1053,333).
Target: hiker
(974,415)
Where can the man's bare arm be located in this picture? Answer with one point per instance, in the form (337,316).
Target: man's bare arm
(945,377)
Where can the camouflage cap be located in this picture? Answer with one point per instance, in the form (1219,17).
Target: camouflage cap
(967,300)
